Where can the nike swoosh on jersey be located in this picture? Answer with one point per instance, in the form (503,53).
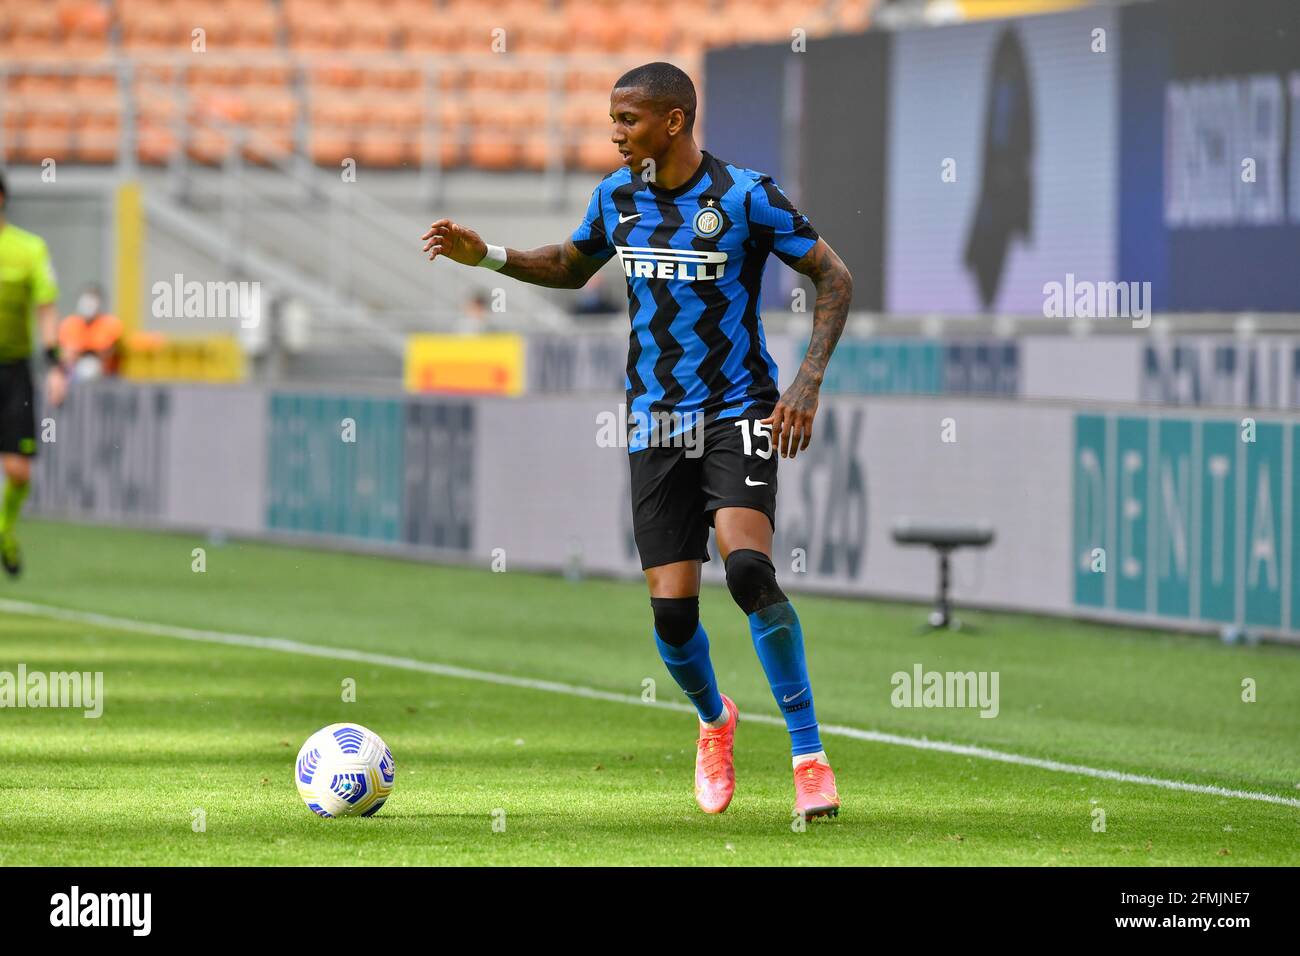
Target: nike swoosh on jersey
(622,218)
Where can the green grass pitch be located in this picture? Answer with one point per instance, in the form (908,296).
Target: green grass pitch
(189,725)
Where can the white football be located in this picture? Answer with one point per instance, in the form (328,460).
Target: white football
(344,770)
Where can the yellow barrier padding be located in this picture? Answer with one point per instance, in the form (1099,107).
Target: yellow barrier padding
(465,364)
(152,357)
(985,9)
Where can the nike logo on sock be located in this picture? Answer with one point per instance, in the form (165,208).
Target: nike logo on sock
(786,700)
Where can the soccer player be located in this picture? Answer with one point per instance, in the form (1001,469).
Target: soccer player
(692,233)
(27,284)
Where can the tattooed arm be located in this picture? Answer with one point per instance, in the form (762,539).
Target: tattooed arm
(557,267)
(792,418)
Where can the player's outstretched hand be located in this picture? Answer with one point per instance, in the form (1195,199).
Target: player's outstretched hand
(792,418)
(456,242)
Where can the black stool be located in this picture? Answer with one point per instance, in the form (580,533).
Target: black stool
(944,538)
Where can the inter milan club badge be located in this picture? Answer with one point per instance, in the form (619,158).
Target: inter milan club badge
(708,223)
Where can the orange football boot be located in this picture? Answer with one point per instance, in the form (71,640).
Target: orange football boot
(715,768)
(814,790)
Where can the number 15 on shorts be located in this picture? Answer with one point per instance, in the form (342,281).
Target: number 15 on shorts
(750,431)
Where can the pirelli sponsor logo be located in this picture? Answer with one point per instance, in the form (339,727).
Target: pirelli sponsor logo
(689,265)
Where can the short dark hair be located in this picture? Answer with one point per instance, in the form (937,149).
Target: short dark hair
(666,84)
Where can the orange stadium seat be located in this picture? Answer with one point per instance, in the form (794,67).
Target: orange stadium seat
(594,156)
(148,28)
(583,114)
(330,146)
(97,134)
(269,74)
(538,151)
(220,105)
(315,27)
(255,26)
(267,144)
(494,149)
(42,83)
(390,133)
(381,147)
(496,76)
(446,151)
(271,117)
(389,77)
(452,113)
(34,28)
(202,74)
(156,110)
(434,34)
(207,144)
(497,112)
(595,31)
(547,34)
(337,72)
(272,106)
(371,26)
(94,85)
(48,131)
(156,142)
(15,120)
(330,108)
(539,80)
(85,28)
(219,25)
(156,76)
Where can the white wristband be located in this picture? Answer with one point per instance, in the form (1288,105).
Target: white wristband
(494,258)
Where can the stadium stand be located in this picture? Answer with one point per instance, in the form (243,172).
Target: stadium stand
(395,84)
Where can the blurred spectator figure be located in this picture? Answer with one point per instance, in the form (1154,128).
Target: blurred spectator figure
(474,319)
(90,338)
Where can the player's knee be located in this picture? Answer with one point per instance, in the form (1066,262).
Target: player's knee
(18,470)
(751,579)
(676,619)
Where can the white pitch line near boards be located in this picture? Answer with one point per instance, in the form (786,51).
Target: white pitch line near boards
(555,687)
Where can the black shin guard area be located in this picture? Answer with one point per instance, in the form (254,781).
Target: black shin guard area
(676,619)
(751,579)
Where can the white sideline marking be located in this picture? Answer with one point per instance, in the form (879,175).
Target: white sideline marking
(554,687)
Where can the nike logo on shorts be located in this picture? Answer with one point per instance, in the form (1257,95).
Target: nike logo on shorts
(752,483)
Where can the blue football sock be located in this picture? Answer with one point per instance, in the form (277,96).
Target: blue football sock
(690,666)
(778,639)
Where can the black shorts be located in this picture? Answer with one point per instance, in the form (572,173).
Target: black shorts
(675,490)
(17,409)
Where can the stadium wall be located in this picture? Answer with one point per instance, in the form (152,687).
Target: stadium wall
(1199,525)
(1210,370)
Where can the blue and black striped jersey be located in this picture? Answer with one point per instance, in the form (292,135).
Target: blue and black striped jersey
(693,258)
